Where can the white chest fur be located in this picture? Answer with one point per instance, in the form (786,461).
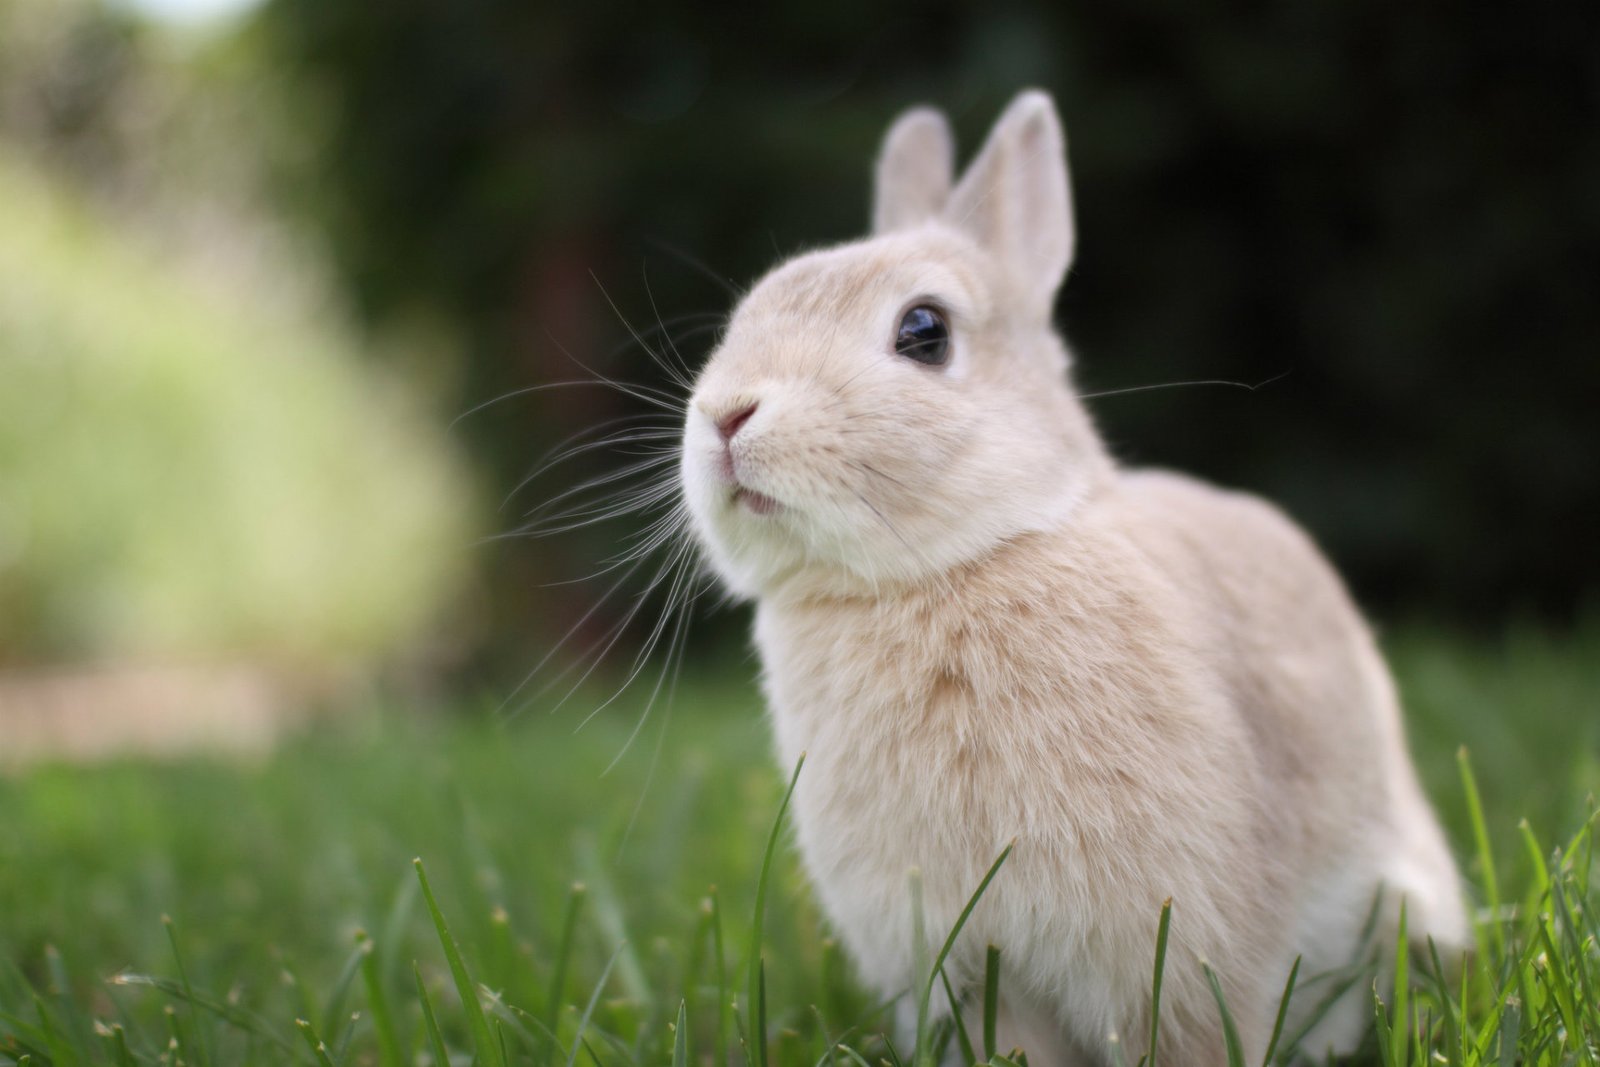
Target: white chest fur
(935,735)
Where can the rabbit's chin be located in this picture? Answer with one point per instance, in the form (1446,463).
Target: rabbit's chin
(763,541)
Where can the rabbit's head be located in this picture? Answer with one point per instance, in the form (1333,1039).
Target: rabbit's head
(881,411)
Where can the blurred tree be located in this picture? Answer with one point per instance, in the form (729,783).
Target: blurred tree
(1390,213)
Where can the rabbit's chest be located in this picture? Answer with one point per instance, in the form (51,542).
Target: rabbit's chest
(921,755)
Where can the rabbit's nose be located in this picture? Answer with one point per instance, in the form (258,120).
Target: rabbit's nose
(730,423)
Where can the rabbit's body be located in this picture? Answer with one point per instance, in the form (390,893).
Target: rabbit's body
(979,630)
(1134,738)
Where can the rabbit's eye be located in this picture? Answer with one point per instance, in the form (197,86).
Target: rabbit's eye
(924,336)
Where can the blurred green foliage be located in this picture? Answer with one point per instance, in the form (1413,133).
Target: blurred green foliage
(184,473)
(1391,212)
(199,458)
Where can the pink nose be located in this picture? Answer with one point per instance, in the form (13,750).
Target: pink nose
(730,423)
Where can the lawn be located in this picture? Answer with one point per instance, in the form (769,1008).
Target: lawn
(217,913)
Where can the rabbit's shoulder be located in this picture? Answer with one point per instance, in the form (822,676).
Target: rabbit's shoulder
(1233,550)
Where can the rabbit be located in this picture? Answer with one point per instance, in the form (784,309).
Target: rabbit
(980,629)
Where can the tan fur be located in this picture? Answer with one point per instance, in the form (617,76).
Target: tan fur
(980,630)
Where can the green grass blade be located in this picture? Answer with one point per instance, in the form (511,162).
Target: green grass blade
(535,1034)
(1510,1035)
(179,1040)
(758,1040)
(73,1019)
(430,1022)
(1283,1013)
(1155,982)
(761,1007)
(680,1037)
(1399,1047)
(827,1056)
(1230,1032)
(920,1055)
(1380,1018)
(318,1047)
(1536,862)
(608,916)
(558,977)
(1554,976)
(389,1054)
(54,1040)
(239,1018)
(487,1048)
(16,1030)
(1480,835)
(968,1054)
(291,976)
(854,1055)
(1493,1021)
(835,1000)
(117,1039)
(1450,1023)
(333,1010)
(991,1000)
(202,1046)
(926,992)
(588,1010)
(724,997)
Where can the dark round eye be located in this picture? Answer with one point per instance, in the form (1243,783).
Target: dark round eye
(924,336)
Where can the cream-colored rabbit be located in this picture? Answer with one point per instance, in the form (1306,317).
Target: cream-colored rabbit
(979,628)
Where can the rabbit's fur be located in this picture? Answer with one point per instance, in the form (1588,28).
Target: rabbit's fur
(980,629)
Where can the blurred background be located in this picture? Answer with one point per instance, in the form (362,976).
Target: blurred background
(276,278)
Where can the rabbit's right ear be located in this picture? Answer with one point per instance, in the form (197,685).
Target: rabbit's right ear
(1016,201)
(915,171)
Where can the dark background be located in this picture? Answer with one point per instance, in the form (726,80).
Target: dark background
(1390,213)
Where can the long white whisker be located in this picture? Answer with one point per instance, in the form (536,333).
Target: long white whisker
(1175,385)
(655,357)
(643,393)
(592,515)
(571,630)
(573,447)
(662,530)
(680,629)
(727,284)
(616,635)
(623,473)
(546,386)
(681,374)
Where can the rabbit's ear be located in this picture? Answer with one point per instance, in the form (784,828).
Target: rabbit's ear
(915,171)
(1015,200)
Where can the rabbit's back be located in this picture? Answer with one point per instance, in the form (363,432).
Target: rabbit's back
(1306,679)
(1276,628)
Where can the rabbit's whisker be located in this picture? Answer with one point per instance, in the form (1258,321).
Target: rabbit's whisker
(657,358)
(1176,385)
(728,285)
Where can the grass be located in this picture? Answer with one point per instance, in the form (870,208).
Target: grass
(403,888)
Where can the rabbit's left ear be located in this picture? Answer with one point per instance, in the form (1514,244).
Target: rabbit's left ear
(916,168)
(1015,201)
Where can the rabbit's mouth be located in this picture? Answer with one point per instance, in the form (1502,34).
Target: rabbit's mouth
(759,503)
